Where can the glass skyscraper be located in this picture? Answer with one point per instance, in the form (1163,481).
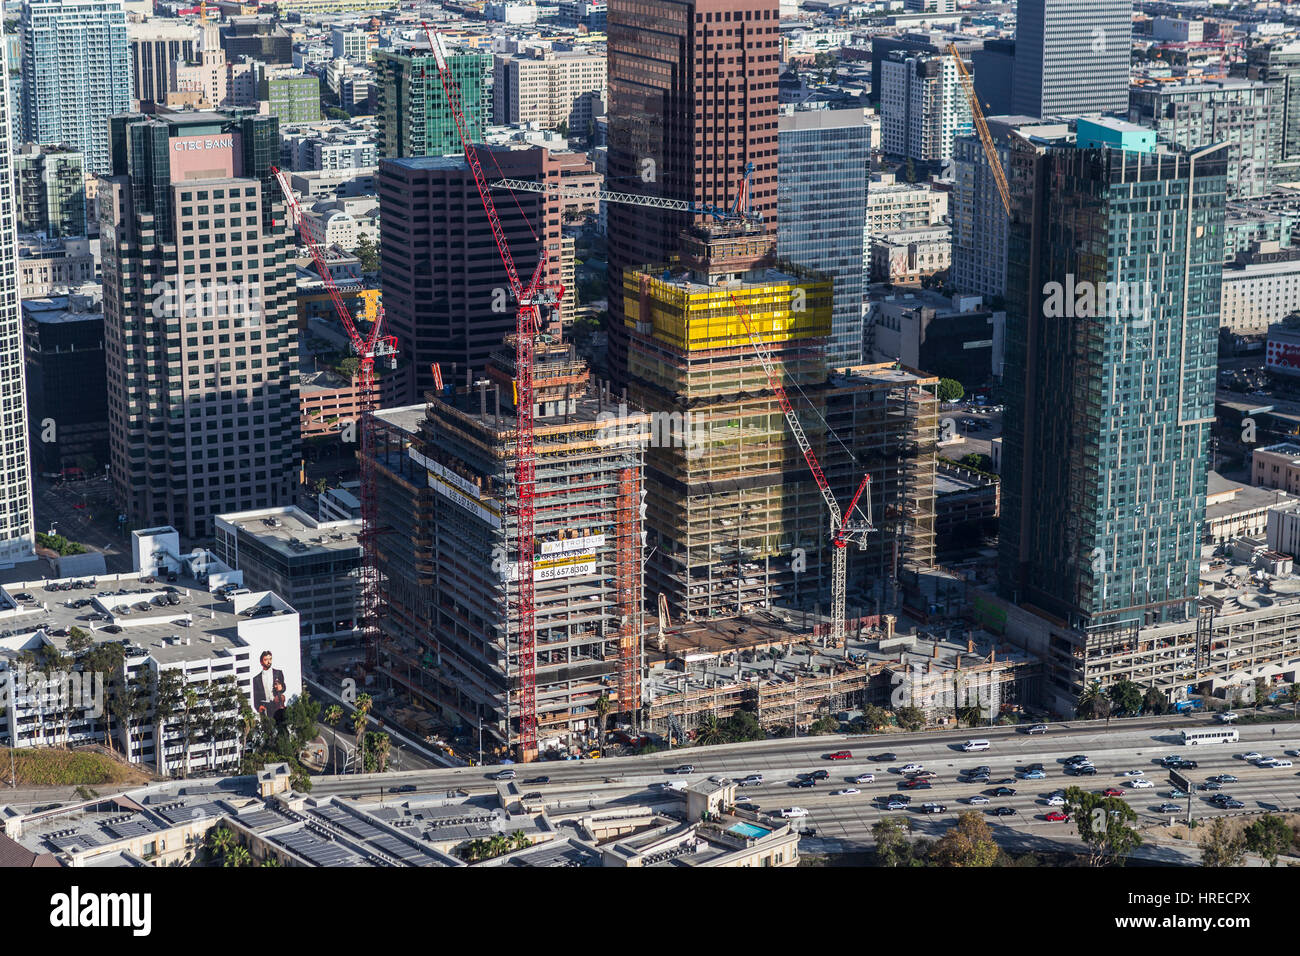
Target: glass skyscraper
(822,163)
(1112,343)
(76,74)
(1071,57)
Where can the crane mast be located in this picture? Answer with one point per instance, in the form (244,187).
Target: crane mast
(842,532)
(531,299)
(373,345)
(986,138)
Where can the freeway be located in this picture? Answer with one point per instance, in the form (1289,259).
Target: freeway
(847,819)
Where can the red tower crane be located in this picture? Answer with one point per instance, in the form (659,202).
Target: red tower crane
(374,345)
(843,529)
(534,297)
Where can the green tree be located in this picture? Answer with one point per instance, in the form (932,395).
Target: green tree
(237,856)
(969,843)
(825,724)
(950,390)
(1154,702)
(875,717)
(562,128)
(1219,847)
(910,718)
(1261,691)
(219,841)
(1104,826)
(1125,697)
(368,253)
(743,725)
(1269,836)
(978,462)
(892,845)
(348,366)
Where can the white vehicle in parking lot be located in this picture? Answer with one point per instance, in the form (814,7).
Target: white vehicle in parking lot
(1141,784)
(790,812)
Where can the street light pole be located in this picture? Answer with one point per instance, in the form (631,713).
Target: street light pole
(480,740)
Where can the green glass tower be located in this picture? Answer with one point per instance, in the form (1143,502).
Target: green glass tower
(1112,343)
(414,119)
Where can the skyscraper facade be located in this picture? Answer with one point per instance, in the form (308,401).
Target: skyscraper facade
(922,107)
(414,118)
(446,297)
(17,534)
(1071,57)
(1278,65)
(76,74)
(1111,350)
(692,101)
(823,162)
(198,320)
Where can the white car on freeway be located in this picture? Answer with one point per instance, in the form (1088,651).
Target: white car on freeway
(1055,801)
(846,792)
(789,812)
(1141,784)
(910,768)
(1134,773)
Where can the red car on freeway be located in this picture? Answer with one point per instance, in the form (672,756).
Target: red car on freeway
(1057,816)
(840,755)
(1112,792)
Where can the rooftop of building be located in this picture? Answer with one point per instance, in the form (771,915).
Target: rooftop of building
(170,622)
(293,533)
(62,309)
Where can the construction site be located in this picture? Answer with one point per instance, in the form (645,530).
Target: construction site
(445,477)
(777,667)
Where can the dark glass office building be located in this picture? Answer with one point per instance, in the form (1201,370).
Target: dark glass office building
(1109,405)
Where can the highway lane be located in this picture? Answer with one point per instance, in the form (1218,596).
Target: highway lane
(1128,744)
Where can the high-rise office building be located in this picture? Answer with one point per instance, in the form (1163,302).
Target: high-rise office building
(1111,351)
(922,107)
(822,205)
(76,74)
(1072,57)
(979,220)
(414,119)
(692,101)
(198,319)
(446,297)
(1238,112)
(1278,65)
(156,44)
(17,534)
(549,88)
(51,191)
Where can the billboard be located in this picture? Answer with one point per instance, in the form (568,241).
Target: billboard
(274,656)
(1283,355)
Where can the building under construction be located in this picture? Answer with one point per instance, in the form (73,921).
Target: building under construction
(448,550)
(730,500)
(776,667)
(735,521)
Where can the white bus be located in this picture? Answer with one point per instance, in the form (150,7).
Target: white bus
(1214,735)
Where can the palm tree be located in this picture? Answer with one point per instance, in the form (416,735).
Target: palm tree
(602,711)
(710,732)
(220,839)
(238,856)
(190,703)
(1293,695)
(380,745)
(333,714)
(520,840)
(1086,707)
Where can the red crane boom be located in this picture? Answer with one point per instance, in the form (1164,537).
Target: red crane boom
(373,345)
(531,299)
